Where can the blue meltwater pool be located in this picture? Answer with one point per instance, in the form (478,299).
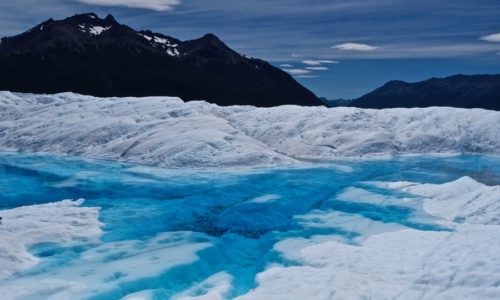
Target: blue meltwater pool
(187,233)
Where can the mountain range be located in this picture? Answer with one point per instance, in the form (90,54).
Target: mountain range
(466,91)
(101,57)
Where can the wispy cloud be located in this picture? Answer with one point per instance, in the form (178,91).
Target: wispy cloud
(286,65)
(311,62)
(317,68)
(495,38)
(297,71)
(354,47)
(158,5)
(306,76)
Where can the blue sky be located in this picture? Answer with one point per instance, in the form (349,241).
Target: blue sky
(349,47)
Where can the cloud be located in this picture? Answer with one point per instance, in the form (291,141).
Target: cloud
(310,62)
(297,71)
(158,5)
(306,76)
(317,68)
(286,65)
(495,38)
(354,47)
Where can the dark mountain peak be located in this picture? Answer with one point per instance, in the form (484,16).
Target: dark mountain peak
(90,55)
(396,82)
(211,38)
(89,19)
(49,21)
(209,49)
(109,18)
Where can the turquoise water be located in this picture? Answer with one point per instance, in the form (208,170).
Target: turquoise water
(241,213)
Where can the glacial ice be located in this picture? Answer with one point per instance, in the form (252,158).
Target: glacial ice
(58,222)
(403,228)
(168,132)
(464,200)
(398,263)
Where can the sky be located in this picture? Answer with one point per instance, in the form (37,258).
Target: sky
(338,49)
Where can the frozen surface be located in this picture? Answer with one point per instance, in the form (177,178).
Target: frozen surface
(168,132)
(404,228)
(464,200)
(460,263)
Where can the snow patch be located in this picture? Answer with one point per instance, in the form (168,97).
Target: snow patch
(147,37)
(97,30)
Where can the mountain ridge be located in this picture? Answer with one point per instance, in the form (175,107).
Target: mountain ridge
(463,91)
(101,57)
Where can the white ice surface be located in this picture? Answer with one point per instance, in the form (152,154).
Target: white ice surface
(464,200)
(58,222)
(398,263)
(216,287)
(109,268)
(104,268)
(168,132)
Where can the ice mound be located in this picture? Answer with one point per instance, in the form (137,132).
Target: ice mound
(390,261)
(405,264)
(166,131)
(59,222)
(464,200)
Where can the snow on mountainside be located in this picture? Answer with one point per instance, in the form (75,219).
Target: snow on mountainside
(168,132)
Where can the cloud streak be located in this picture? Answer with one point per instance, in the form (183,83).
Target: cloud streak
(317,68)
(494,38)
(355,47)
(311,62)
(297,71)
(157,5)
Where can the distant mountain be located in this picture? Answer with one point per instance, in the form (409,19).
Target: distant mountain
(335,102)
(473,91)
(100,57)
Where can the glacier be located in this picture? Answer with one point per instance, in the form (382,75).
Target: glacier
(168,132)
(346,203)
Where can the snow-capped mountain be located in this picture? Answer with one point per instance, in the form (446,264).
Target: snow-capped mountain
(101,57)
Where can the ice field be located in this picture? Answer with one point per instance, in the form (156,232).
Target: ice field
(401,228)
